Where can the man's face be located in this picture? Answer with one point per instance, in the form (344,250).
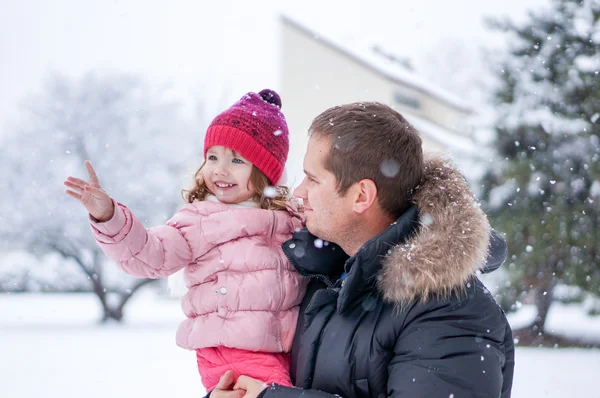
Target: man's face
(328,215)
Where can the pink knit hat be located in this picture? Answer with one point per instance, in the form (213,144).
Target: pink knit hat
(255,128)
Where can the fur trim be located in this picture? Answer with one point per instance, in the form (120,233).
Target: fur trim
(449,247)
(176,284)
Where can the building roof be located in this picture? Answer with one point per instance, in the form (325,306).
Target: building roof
(455,142)
(394,71)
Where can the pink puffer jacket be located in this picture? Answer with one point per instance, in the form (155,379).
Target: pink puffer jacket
(243,292)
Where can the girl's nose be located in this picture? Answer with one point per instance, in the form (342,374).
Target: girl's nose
(220,170)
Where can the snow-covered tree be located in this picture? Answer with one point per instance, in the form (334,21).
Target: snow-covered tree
(546,193)
(141,148)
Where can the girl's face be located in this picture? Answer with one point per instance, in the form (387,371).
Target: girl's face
(227,175)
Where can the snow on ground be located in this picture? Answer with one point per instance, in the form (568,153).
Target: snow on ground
(563,319)
(51,346)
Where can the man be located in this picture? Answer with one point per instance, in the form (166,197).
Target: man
(394,307)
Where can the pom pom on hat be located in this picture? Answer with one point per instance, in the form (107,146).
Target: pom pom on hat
(271,97)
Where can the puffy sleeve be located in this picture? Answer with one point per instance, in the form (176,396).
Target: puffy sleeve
(154,252)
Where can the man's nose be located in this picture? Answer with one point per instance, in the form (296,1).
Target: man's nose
(300,191)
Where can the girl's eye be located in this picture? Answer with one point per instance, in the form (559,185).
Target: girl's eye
(238,161)
(212,157)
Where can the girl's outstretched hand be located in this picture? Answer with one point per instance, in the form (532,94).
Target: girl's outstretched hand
(90,194)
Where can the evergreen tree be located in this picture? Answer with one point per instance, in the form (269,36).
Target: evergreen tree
(545,194)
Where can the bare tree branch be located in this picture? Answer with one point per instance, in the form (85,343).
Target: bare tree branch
(129,293)
(123,124)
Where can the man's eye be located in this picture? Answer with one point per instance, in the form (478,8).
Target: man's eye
(212,157)
(238,161)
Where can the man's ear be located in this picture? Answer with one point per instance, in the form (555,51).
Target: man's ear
(365,195)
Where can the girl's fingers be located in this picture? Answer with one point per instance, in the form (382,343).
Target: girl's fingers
(77,181)
(73,194)
(74,187)
(93,177)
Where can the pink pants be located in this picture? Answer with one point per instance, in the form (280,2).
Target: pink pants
(213,362)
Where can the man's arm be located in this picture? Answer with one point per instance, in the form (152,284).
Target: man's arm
(248,387)
(439,354)
(446,354)
(277,391)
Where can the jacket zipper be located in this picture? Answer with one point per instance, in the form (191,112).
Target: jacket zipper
(281,285)
(320,277)
(273,224)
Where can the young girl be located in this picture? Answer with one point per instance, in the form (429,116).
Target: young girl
(243,294)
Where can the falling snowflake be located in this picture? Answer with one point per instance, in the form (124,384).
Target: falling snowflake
(270,192)
(389,168)
(426,219)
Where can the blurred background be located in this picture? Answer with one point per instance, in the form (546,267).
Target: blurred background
(511,90)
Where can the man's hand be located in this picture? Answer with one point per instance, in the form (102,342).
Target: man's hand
(224,388)
(252,387)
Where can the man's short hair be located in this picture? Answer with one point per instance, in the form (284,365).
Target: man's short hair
(370,140)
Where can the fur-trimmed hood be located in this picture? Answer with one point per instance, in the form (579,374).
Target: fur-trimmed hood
(450,245)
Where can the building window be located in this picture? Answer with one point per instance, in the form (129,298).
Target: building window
(406,100)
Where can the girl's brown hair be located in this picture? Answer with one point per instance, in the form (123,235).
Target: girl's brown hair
(276,200)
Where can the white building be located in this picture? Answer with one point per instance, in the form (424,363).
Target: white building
(319,72)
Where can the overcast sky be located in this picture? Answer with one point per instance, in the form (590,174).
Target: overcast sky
(213,46)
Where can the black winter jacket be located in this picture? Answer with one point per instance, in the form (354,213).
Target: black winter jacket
(406,316)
